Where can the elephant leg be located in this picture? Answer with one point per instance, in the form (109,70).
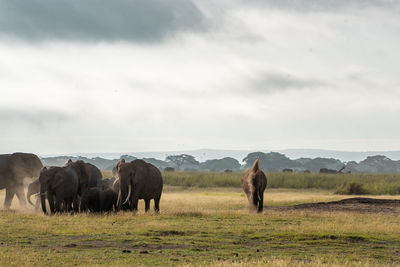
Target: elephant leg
(157,205)
(9,196)
(59,202)
(76,204)
(147,205)
(21,195)
(255,199)
(50,198)
(134,205)
(69,205)
(261,202)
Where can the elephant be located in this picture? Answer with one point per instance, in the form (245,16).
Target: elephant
(107,183)
(34,189)
(60,185)
(254,183)
(14,168)
(100,200)
(139,180)
(89,175)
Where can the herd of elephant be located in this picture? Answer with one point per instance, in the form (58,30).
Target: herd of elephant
(79,187)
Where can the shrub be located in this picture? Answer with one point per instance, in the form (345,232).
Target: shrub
(352,188)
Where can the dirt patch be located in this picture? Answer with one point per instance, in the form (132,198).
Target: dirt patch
(357,204)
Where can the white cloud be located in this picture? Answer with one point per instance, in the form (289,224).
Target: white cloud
(260,77)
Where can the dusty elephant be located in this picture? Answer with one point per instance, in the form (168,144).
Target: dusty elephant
(34,189)
(14,168)
(60,186)
(139,180)
(254,183)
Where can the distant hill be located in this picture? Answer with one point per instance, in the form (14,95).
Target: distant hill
(341,155)
(209,154)
(269,161)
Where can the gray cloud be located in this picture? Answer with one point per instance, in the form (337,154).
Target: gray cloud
(321,5)
(98,20)
(35,118)
(276,82)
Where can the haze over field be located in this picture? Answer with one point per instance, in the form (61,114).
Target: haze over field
(100,76)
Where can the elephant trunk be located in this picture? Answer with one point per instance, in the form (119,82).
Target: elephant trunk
(33,189)
(29,194)
(43,197)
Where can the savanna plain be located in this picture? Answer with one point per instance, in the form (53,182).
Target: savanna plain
(204,220)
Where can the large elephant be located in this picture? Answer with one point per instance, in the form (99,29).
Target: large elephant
(14,168)
(60,185)
(89,176)
(139,180)
(254,183)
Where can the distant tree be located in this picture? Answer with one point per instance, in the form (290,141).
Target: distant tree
(128,158)
(272,161)
(160,164)
(220,164)
(182,160)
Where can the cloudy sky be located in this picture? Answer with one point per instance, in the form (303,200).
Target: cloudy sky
(154,75)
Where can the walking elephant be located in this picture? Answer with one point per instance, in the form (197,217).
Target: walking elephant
(60,185)
(254,183)
(14,168)
(139,180)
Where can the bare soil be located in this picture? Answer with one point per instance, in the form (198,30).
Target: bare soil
(356,204)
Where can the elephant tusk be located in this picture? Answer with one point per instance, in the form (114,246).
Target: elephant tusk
(43,194)
(129,195)
(35,195)
(119,197)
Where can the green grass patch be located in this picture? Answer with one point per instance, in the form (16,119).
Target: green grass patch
(373,184)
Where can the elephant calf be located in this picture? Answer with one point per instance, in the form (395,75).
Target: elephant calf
(34,189)
(99,200)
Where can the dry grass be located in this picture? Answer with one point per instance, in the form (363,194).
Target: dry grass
(204,226)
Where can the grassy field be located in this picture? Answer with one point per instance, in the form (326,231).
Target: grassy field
(374,184)
(204,226)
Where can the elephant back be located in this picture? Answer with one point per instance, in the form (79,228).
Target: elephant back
(94,175)
(153,182)
(21,165)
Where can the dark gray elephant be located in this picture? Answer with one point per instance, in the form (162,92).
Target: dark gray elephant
(89,177)
(100,200)
(14,168)
(139,180)
(254,183)
(107,183)
(34,189)
(60,185)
